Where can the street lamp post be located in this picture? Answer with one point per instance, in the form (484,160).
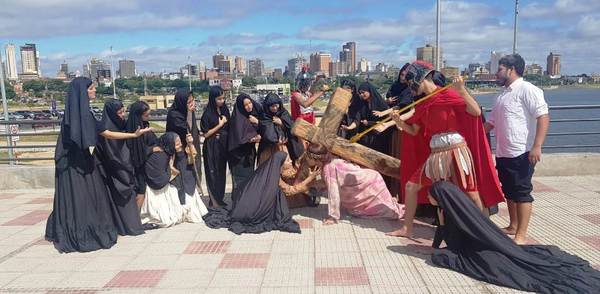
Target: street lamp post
(437,36)
(516,28)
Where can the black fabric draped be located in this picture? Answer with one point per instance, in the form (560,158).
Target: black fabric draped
(140,147)
(271,133)
(258,204)
(116,159)
(186,180)
(401,91)
(373,140)
(478,248)
(352,115)
(82,216)
(157,168)
(242,153)
(214,148)
(181,122)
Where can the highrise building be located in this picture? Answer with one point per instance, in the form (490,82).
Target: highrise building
(29,60)
(295,66)
(99,70)
(256,68)
(363,65)
(126,69)
(348,55)
(338,68)
(319,63)
(553,64)
(225,64)
(11,62)
(240,65)
(428,54)
(217,59)
(494,59)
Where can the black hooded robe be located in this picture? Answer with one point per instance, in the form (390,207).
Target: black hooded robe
(352,115)
(214,150)
(271,133)
(177,122)
(116,159)
(242,153)
(477,248)
(259,205)
(140,148)
(81,219)
(373,140)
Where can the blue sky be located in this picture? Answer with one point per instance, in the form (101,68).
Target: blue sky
(159,35)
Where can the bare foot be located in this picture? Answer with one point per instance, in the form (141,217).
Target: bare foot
(509,230)
(520,241)
(403,232)
(329,221)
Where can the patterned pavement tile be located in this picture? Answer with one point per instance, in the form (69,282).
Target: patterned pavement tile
(233,290)
(207,247)
(232,278)
(287,290)
(376,289)
(245,260)
(29,219)
(593,241)
(186,279)
(395,276)
(290,277)
(342,289)
(305,223)
(41,200)
(338,259)
(565,242)
(539,187)
(293,246)
(341,276)
(152,262)
(88,279)
(136,279)
(198,261)
(250,246)
(457,289)
(292,260)
(42,280)
(340,245)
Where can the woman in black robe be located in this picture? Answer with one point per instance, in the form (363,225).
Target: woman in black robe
(116,159)
(181,119)
(476,247)
(376,139)
(259,205)
(399,94)
(276,131)
(242,139)
(351,119)
(214,124)
(82,216)
(140,148)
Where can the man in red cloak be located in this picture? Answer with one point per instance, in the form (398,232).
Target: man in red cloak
(444,141)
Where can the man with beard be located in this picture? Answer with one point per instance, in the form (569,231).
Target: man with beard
(520,122)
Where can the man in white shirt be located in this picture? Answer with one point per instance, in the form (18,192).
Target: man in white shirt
(520,122)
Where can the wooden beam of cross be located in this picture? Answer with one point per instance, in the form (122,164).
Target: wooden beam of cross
(326,134)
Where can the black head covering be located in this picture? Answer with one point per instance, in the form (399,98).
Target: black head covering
(79,123)
(240,128)
(376,102)
(137,146)
(271,133)
(181,99)
(210,116)
(110,119)
(180,122)
(400,90)
(166,142)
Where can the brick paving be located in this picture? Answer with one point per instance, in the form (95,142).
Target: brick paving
(353,256)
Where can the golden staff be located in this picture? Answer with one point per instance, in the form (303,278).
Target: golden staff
(357,137)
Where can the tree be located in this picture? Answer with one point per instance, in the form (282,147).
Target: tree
(249,82)
(10,91)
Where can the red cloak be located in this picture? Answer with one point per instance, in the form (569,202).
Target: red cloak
(415,149)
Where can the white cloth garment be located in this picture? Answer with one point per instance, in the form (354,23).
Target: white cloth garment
(194,208)
(162,207)
(514,117)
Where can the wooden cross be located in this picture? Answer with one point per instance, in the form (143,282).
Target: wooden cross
(326,134)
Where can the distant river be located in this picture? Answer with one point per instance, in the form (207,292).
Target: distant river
(567,97)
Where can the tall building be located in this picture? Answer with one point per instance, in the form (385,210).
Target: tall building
(363,65)
(240,65)
(494,59)
(126,69)
(256,68)
(428,54)
(29,60)
(11,62)
(295,66)
(319,63)
(534,69)
(217,59)
(100,71)
(553,64)
(338,68)
(225,64)
(348,55)
(278,73)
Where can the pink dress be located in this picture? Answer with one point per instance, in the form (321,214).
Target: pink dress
(360,191)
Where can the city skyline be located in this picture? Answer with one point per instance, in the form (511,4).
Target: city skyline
(385,31)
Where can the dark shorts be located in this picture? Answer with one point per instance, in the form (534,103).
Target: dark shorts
(515,175)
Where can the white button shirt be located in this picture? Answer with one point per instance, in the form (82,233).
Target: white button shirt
(514,117)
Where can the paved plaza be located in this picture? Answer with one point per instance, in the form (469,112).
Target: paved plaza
(352,257)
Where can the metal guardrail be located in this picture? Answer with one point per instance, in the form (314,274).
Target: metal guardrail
(163,119)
